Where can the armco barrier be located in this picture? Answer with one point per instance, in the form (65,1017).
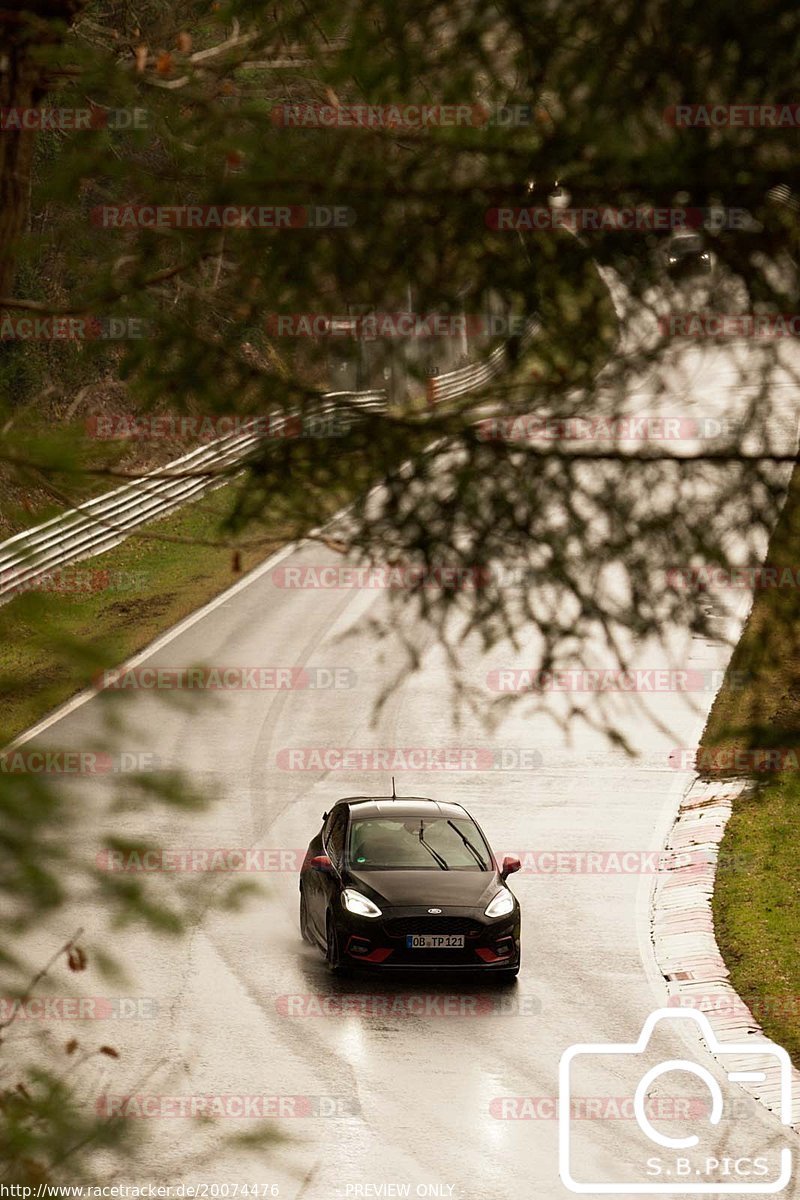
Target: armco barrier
(96,526)
(468,379)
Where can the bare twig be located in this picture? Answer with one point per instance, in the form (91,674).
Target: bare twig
(39,976)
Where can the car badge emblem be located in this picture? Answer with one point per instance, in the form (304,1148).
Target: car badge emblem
(434,910)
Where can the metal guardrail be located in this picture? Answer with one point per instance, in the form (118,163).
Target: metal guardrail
(99,524)
(468,379)
(783,195)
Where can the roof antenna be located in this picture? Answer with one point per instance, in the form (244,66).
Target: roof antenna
(394,793)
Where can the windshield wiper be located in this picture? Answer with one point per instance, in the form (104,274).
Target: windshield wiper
(469,846)
(441,861)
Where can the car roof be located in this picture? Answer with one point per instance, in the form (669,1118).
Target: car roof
(686,235)
(401,806)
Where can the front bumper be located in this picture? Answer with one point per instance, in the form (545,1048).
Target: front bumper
(489,945)
(689,267)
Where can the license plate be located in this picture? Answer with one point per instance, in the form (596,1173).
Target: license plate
(434,941)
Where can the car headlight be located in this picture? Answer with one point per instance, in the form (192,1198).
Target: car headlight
(354,902)
(501,905)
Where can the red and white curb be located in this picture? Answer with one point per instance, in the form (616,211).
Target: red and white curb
(682,930)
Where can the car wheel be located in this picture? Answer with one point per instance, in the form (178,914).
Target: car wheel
(306,936)
(332,951)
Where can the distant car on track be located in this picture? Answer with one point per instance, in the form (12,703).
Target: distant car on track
(406,882)
(686,254)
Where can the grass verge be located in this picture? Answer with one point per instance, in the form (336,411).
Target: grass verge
(756,912)
(753,730)
(123,599)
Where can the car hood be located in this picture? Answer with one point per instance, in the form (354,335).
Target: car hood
(459,889)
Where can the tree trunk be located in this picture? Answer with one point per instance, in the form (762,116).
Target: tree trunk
(23,83)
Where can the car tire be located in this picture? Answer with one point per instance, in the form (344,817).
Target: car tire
(333,954)
(306,936)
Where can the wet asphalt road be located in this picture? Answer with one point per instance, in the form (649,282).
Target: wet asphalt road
(409,1083)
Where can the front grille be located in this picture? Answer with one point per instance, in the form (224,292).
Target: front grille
(398,927)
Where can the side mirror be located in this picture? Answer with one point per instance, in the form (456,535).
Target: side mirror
(510,865)
(325,816)
(322,864)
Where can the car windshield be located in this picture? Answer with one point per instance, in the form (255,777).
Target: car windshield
(686,245)
(437,843)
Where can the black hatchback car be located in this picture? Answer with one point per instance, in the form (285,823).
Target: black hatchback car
(394,882)
(686,254)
